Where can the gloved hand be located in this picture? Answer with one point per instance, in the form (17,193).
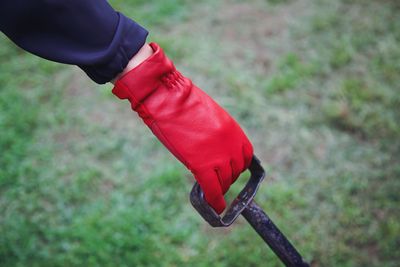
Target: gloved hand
(203,136)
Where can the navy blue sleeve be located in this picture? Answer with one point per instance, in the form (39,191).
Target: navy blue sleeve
(86,33)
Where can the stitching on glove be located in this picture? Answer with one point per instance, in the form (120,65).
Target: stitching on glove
(247,158)
(154,126)
(233,172)
(171,79)
(135,104)
(217,171)
(130,96)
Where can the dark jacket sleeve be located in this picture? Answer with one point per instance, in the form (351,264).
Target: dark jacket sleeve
(87,33)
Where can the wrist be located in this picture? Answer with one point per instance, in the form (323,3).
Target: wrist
(144,52)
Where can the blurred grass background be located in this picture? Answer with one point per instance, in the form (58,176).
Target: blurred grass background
(316,85)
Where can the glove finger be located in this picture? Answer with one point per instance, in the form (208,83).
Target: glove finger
(225,177)
(211,187)
(247,154)
(236,169)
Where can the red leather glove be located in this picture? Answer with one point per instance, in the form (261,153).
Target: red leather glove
(203,136)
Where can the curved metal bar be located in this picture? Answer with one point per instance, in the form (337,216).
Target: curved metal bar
(238,204)
(256,217)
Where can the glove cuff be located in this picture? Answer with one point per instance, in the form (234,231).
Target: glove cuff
(145,78)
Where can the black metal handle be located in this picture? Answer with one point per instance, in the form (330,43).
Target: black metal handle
(274,238)
(237,206)
(257,218)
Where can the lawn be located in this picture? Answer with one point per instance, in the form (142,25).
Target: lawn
(314,83)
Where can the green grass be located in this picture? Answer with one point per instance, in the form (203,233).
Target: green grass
(84,183)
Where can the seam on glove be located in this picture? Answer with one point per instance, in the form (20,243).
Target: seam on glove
(127,93)
(135,104)
(219,178)
(154,126)
(171,79)
(233,178)
(247,158)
